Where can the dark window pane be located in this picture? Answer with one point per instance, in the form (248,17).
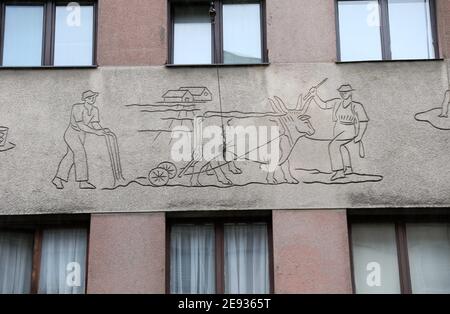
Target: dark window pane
(16,257)
(192,259)
(359,30)
(429,257)
(242,32)
(246,259)
(74,35)
(23,35)
(192,34)
(411,30)
(375,261)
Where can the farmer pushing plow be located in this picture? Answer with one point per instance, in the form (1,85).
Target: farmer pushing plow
(84,119)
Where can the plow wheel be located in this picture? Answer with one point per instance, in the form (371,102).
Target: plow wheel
(159,177)
(170,167)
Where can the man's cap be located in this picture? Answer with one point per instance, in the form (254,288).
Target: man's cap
(345,88)
(88,94)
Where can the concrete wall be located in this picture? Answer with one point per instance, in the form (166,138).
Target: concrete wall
(132,32)
(403,156)
(301,31)
(311,252)
(127,253)
(403,164)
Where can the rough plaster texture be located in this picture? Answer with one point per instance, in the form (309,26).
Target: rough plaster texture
(127,253)
(301,31)
(410,155)
(311,253)
(132,32)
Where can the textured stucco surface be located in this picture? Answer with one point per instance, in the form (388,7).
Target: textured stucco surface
(311,253)
(301,31)
(132,32)
(127,253)
(410,155)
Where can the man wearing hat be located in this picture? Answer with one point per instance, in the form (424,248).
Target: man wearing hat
(350,123)
(84,119)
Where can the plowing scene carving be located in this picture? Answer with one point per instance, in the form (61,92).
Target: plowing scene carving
(223,149)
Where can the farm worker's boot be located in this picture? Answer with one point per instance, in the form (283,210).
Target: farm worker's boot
(338,175)
(58,183)
(85,185)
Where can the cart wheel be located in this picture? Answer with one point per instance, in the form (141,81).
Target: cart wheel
(170,167)
(158,177)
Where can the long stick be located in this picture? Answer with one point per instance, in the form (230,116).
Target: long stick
(117,154)
(190,163)
(317,86)
(111,158)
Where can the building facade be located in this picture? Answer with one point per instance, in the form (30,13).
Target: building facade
(260,146)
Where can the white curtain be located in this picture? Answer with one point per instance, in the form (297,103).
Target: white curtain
(63,261)
(192,259)
(16,256)
(246,259)
(375,261)
(429,257)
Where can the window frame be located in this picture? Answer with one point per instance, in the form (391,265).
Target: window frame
(35,225)
(399,221)
(216,35)
(385,39)
(218,222)
(48,30)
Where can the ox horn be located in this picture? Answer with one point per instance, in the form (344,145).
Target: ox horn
(300,103)
(281,104)
(304,109)
(275,106)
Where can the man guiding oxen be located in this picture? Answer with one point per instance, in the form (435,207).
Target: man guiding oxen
(350,124)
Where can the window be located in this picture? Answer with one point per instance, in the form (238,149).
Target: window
(220,256)
(192,36)
(46,33)
(217,32)
(74,43)
(386,30)
(241,32)
(23,35)
(399,256)
(45,259)
(374,248)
